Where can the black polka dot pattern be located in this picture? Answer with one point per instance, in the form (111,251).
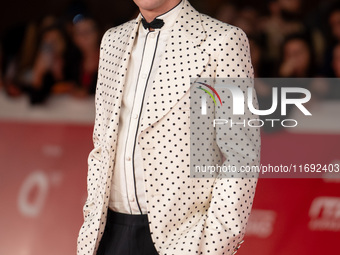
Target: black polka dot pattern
(186,215)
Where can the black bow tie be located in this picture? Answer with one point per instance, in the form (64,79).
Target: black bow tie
(156,23)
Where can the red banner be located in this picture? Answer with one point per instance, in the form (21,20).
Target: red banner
(43,188)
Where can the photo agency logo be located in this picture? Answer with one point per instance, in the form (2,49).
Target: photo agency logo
(204,98)
(236,99)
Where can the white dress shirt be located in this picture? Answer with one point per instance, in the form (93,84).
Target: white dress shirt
(128,192)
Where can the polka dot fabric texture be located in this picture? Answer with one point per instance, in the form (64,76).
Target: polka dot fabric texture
(186,215)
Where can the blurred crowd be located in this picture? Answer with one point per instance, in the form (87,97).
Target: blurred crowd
(53,55)
(288,42)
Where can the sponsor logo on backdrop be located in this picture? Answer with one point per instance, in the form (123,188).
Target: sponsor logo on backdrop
(324,214)
(261,223)
(34,192)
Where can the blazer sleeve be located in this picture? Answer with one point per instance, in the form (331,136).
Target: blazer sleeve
(232,197)
(94,158)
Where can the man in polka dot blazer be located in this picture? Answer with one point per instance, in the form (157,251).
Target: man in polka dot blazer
(141,199)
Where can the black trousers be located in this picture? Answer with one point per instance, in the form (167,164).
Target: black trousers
(126,234)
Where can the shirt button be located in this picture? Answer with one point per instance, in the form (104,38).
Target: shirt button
(152,35)
(132,199)
(135,116)
(144,76)
(128,158)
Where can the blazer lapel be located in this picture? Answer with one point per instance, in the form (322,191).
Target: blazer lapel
(183,59)
(118,52)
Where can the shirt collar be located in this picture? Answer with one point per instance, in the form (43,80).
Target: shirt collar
(170,16)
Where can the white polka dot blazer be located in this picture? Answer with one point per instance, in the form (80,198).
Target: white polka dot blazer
(186,215)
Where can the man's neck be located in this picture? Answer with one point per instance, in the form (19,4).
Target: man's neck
(151,14)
